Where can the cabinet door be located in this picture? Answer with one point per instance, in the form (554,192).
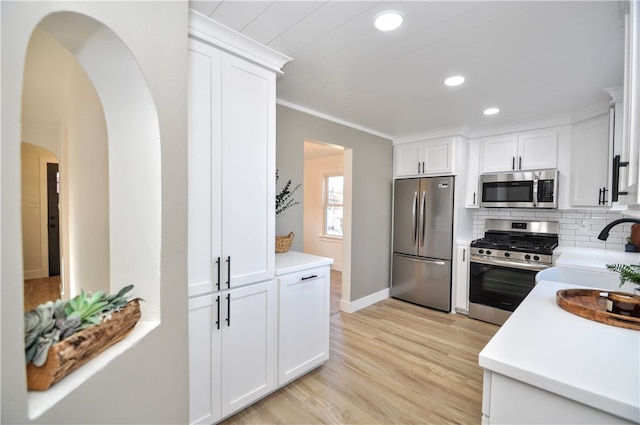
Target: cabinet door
(590,163)
(248,167)
(462,278)
(473,174)
(303,333)
(248,345)
(537,150)
(499,154)
(408,159)
(204,245)
(438,157)
(204,359)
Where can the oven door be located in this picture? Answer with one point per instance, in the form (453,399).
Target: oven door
(499,286)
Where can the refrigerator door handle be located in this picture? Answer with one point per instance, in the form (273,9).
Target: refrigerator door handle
(422,217)
(414,218)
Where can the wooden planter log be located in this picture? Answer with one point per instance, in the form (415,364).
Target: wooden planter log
(76,350)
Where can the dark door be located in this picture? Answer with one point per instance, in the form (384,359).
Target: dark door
(53,219)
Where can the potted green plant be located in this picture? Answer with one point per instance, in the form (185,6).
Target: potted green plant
(620,302)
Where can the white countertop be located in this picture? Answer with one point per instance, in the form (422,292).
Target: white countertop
(547,347)
(593,259)
(293,261)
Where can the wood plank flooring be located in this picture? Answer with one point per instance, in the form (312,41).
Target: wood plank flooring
(390,363)
(39,291)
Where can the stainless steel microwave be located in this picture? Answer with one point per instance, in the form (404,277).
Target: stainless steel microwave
(523,189)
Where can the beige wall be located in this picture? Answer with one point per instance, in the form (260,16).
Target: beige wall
(372,161)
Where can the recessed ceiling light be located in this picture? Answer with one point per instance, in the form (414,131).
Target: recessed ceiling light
(388,21)
(456,80)
(491,111)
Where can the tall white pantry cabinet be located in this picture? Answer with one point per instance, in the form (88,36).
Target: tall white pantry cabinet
(231,220)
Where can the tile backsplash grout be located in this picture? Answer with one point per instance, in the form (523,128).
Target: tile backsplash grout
(579,228)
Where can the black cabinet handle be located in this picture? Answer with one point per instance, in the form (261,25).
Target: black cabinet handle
(423,169)
(615,185)
(218,304)
(513,162)
(464,255)
(418,167)
(474,198)
(600,196)
(229,272)
(218,284)
(519,163)
(313,276)
(228,310)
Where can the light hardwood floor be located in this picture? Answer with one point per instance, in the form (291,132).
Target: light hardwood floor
(390,363)
(39,291)
(336,291)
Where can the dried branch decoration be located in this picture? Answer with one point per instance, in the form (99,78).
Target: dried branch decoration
(285,199)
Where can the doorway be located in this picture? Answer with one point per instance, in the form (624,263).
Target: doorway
(326,212)
(53,218)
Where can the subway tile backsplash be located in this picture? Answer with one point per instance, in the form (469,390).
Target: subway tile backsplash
(577,227)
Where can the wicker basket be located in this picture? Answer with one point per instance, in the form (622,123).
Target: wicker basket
(283,243)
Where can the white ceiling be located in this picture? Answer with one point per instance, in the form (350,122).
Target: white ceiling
(533,59)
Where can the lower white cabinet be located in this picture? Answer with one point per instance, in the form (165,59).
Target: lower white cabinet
(303,322)
(462,278)
(232,349)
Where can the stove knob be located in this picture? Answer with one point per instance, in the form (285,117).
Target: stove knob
(481,251)
(506,254)
(527,257)
(535,257)
(488,252)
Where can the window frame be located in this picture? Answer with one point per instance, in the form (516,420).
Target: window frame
(326,204)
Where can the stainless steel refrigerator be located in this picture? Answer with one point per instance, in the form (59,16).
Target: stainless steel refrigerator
(422,241)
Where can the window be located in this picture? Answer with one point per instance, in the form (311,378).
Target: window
(333,198)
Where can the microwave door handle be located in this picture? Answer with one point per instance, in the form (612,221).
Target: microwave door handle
(535,190)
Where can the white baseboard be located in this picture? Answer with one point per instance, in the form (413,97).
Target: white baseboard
(34,274)
(353,306)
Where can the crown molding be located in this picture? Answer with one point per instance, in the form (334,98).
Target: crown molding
(518,127)
(332,118)
(437,133)
(209,31)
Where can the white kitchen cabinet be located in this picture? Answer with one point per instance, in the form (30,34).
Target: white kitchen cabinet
(232,350)
(590,160)
(630,152)
(473,173)
(303,322)
(524,151)
(462,279)
(433,157)
(231,223)
(231,220)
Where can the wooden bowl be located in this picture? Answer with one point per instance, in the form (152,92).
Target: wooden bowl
(623,304)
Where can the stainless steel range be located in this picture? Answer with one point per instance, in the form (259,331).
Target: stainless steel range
(504,263)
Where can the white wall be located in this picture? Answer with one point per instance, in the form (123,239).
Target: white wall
(313,221)
(149,382)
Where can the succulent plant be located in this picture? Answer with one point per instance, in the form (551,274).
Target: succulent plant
(54,321)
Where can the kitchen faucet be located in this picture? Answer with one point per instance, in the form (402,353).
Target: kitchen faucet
(604,234)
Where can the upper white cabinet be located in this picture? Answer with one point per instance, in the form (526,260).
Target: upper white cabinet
(630,152)
(231,224)
(590,159)
(525,151)
(473,173)
(434,157)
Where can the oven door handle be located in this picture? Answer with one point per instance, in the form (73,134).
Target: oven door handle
(507,263)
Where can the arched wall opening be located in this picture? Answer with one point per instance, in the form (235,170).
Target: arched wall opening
(108,142)
(109,145)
